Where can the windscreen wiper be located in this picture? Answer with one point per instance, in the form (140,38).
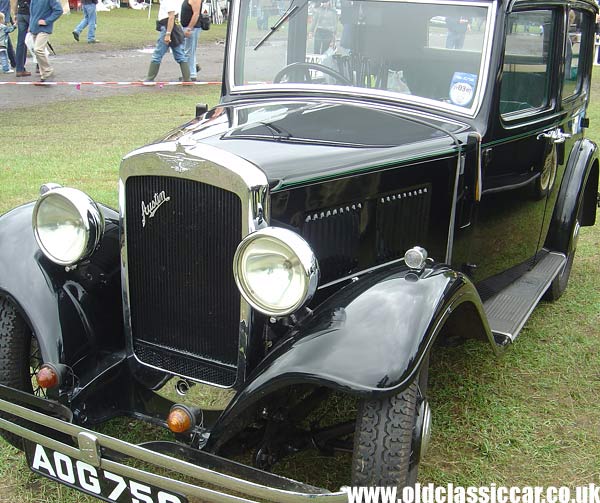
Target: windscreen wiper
(280,134)
(284,17)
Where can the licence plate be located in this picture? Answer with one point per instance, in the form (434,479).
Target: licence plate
(97,482)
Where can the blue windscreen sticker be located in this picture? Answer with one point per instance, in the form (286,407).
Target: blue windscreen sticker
(462,88)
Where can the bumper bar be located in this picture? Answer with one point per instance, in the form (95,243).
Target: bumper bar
(91,446)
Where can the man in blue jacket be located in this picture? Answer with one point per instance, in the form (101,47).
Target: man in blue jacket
(42,14)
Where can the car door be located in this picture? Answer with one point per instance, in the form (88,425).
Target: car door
(577,61)
(519,157)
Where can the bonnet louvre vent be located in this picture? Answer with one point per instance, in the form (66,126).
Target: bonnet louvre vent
(390,224)
(334,235)
(402,221)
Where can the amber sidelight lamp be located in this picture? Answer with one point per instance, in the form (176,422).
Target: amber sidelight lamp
(47,377)
(180,419)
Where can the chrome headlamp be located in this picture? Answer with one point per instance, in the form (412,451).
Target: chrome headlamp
(67,225)
(276,271)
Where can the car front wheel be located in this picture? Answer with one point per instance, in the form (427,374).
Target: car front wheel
(19,358)
(392,433)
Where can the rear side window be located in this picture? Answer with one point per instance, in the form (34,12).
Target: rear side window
(578,36)
(527,63)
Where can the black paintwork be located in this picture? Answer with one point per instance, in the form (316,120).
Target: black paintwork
(322,153)
(73,314)
(330,141)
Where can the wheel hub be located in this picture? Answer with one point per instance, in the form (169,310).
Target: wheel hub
(576,229)
(425,434)
(421,432)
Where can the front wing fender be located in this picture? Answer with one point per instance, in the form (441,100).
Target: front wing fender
(368,339)
(70,312)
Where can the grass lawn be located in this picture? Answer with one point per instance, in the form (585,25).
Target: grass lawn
(528,418)
(72,154)
(123,28)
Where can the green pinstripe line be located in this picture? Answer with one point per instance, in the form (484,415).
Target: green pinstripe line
(365,169)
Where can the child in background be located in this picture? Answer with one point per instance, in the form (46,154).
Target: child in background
(4,31)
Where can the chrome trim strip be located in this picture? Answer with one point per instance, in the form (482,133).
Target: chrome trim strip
(479,181)
(536,118)
(210,165)
(157,459)
(359,91)
(460,166)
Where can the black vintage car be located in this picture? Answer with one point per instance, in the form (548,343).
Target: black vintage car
(378,175)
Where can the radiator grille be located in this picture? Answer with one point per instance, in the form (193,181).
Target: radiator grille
(182,295)
(185,365)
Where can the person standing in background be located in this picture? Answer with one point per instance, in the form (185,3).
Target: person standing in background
(164,25)
(42,15)
(5,8)
(20,12)
(89,20)
(4,31)
(324,27)
(264,10)
(190,20)
(458,26)
(349,19)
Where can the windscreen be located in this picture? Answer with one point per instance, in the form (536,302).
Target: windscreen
(418,50)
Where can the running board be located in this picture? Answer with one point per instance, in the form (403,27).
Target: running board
(508,310)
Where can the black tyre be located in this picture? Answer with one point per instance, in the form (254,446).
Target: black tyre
(19,357)
(388,437)
(559,284)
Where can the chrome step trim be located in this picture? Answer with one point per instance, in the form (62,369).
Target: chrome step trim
(508,310)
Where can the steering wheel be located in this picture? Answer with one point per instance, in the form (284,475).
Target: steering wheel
(306,66)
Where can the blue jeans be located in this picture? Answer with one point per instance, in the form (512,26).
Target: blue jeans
(4,60)
(10,51)
(22,26)
(455,40)
(189,46)
(162,48)
(89,20)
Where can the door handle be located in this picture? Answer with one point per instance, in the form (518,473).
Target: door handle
(555,136)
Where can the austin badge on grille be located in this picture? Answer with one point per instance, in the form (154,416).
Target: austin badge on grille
(148,210)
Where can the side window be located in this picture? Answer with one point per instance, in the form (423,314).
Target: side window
(578,37)
(527,63)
